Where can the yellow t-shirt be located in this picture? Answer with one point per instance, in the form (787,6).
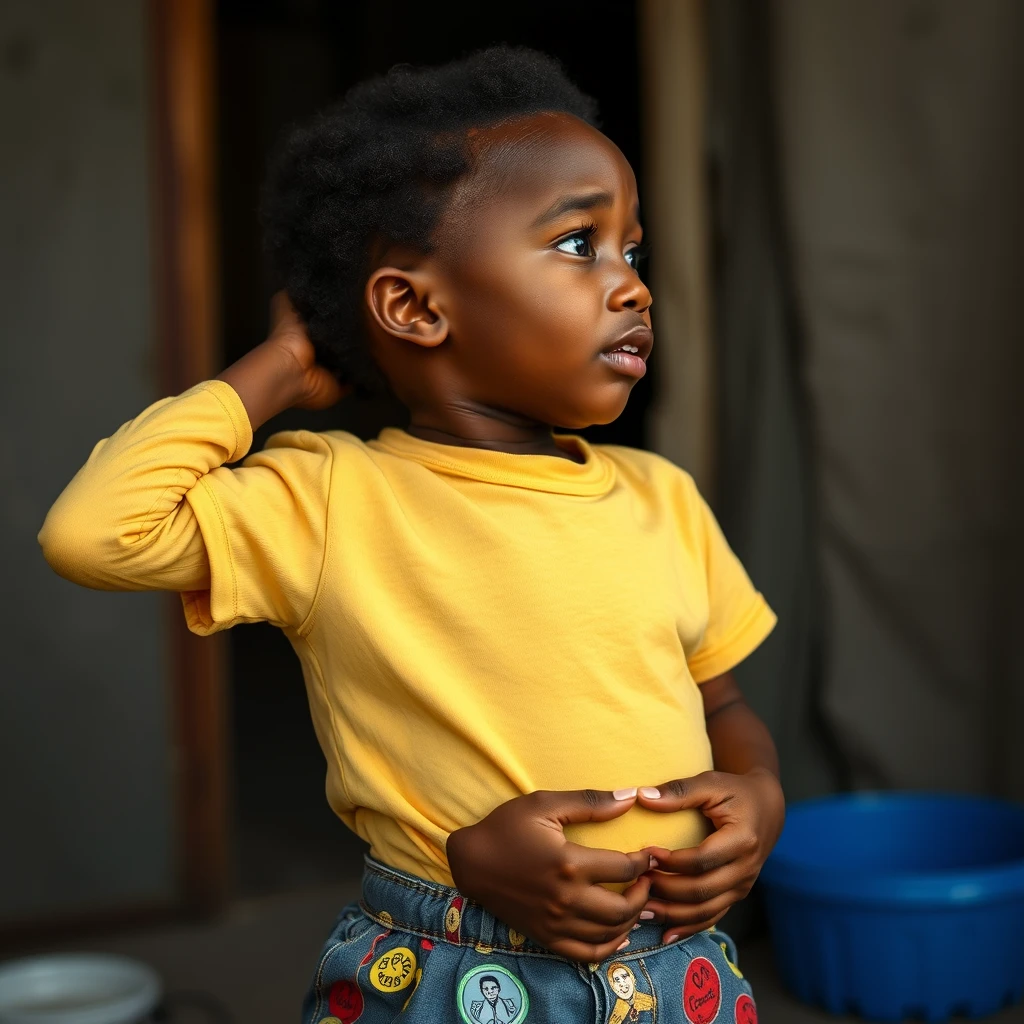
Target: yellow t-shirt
(472,625)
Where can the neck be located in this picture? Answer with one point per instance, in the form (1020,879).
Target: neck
(469,425)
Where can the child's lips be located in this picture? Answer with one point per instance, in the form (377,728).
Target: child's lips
(627,363)
(628,353)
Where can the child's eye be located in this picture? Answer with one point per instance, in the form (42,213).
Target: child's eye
(636,256)
(577,244)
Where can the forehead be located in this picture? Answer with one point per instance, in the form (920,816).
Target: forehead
(530,162)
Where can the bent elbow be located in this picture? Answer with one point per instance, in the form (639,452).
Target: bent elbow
(70,547)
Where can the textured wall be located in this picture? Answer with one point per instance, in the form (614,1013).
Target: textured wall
(84,732)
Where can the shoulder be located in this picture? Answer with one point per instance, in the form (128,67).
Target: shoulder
(648,470)
(336,448)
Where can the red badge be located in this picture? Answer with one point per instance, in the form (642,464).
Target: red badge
(746,1011)
(426,944)
(346,1001)
(702,991)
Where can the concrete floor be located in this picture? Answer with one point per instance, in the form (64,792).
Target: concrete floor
(258,958)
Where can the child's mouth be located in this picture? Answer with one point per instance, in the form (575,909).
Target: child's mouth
(628,354)
(626,361)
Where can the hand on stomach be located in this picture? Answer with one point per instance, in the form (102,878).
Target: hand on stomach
(639,828)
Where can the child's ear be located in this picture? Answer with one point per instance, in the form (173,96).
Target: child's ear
(401,302)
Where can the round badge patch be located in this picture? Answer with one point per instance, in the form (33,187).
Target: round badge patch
(394,970)
(746,1010)
(702,991)
(452,919)
(328,1020)
(492,993)
(346,1001)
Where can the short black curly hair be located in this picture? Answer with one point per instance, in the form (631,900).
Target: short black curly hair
(380,167)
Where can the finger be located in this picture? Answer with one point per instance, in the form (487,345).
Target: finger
(676,934)
(706,789)
(588,952)
(596,865)
(612,909)
(580,805)
(700,888)
(281,308)
(728,844)
(674,914)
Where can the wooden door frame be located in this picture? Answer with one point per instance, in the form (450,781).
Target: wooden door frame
(182,48)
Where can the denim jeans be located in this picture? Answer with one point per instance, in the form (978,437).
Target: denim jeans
(420,951)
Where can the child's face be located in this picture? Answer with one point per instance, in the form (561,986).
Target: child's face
(534,276)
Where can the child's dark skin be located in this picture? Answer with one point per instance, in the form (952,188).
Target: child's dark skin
(502,333)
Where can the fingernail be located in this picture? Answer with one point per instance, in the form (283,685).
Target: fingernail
(671,939)
(646,915)
(635,927)
(624,794)
(653,864)
(651,793)
(622,945)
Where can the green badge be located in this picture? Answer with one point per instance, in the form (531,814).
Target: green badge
(489,994)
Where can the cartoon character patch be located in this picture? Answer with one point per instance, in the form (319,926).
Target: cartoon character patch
(394,970)
(345,1001)
(702,991)
(490,994)
(630,1002)
(746,1010)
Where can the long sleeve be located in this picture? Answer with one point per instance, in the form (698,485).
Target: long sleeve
(155,508)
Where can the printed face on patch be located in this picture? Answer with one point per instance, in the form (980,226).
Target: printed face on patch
(623,982)
(631,1003)
(491,994)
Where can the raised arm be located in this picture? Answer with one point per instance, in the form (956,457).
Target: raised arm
(152,501)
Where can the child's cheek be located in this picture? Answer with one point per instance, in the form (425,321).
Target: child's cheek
(639,827)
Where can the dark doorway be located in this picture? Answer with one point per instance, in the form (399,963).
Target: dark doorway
(278,61)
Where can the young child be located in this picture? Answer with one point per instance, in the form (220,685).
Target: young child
(504,631)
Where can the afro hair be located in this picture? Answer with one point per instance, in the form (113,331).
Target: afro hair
(379,168)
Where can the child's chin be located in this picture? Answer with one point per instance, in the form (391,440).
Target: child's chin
(597,416)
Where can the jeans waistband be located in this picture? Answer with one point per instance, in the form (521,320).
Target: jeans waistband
(398,900)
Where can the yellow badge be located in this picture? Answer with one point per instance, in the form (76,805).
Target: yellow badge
(452,919)
(394,970)
(482,947)
(385,919)
(735,970)
(329,1020)
(516,938)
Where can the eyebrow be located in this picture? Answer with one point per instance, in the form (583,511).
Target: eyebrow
(578,201)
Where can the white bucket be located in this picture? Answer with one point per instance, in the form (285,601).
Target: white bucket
(77,989)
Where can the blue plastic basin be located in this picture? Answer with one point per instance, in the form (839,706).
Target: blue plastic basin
(900,906)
